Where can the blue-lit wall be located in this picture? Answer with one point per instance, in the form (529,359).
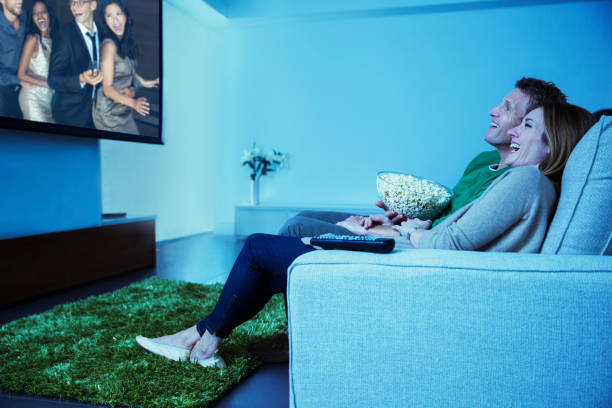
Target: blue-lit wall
(349,94)
(348,89)
(345,92)
(47,183)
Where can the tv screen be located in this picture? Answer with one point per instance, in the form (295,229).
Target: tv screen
(82,68)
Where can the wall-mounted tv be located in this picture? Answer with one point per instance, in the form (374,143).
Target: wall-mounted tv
(82,68)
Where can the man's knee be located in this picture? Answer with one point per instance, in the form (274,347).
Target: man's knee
(291,227)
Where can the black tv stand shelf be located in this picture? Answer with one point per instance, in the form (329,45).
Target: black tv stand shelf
(39,264)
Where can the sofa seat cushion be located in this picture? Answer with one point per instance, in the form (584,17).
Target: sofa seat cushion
(582,223)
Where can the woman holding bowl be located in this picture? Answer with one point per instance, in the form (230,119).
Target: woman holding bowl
(115,103)
(512,215)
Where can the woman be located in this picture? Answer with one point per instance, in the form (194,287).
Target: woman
(114,105)
(35,95)
(543,141)
(511,215)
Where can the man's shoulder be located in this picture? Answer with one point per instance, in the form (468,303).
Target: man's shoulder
(487,158)
(484,159)
(69,29)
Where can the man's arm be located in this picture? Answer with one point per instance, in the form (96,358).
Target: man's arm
(8,48)
(61,76)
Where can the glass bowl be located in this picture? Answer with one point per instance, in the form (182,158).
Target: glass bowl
(413,196)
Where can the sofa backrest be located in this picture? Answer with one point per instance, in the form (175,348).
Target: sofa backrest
(583,221)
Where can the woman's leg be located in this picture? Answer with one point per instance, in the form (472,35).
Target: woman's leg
(259,272)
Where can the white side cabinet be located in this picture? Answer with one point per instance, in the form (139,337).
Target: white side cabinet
(268,218)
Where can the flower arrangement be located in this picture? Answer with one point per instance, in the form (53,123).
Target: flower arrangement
(262,162)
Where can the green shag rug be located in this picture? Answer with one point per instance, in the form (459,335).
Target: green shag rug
(86,350)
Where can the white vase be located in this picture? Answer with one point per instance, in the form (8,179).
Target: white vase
(255,192)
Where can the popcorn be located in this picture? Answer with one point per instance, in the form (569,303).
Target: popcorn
(412,196)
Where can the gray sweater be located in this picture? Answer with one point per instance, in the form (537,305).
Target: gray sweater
(512,215)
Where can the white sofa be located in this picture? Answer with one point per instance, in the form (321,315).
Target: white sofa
(437,328)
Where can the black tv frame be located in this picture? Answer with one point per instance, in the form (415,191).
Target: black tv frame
(58,129)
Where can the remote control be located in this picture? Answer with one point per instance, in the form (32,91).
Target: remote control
(354,243)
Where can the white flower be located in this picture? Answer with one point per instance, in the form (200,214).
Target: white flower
(247,157)
(262,162)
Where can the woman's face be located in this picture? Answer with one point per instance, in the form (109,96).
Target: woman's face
(528,146)
(40,16)
(115,19)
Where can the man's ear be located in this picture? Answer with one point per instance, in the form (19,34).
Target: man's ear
(94,5)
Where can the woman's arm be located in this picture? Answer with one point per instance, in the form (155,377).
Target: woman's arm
(503,206)
(153,83)
(107,66)
(30,49)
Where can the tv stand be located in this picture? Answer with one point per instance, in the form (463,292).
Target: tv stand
(39,264)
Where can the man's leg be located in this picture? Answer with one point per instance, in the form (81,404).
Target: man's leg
(311,223)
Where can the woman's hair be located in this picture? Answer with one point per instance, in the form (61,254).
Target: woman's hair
(32,28)
(565,124)
(126,46)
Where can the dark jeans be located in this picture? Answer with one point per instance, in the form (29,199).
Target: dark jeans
(9,102)
(259,272)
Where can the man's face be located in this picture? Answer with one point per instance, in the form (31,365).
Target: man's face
(82,10)
(505,116)
(14,7)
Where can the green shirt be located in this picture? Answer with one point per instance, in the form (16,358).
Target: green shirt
(475,180)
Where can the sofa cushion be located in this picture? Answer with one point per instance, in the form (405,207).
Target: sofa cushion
(582,223)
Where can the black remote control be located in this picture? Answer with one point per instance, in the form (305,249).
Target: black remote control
(354,243)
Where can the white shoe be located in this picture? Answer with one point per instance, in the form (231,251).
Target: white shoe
(214,361)
(165,350)
(177,353)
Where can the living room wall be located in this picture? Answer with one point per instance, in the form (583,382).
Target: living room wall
(346,94)
(173,181)
(349,94)
(48,183)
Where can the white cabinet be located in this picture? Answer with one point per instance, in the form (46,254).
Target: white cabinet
(250,219)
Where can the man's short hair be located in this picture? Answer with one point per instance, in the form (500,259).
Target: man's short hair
(540,92)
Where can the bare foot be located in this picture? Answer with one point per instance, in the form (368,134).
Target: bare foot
(185,338)
(206,347)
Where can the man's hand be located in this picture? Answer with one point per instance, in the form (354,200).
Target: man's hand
(353,224)
(89,77)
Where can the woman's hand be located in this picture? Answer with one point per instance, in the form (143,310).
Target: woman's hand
(353,224)
(141,105)
(129,92)
(150,83)
(412,224)
(27,85)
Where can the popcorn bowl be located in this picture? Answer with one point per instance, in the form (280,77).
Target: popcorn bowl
(413,196)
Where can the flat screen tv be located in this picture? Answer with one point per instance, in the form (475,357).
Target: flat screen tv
(49,68)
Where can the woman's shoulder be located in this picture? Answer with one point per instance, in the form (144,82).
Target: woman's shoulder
(108,42)
(528,180)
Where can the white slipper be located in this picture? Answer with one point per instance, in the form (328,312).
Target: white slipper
(165,350)
(214,361)
(177,353)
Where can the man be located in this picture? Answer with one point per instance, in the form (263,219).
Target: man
(12,36)
(73,72)
(479,174)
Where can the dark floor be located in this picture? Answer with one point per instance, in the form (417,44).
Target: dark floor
(204,258)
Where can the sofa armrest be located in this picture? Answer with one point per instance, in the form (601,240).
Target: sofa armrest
(435,328)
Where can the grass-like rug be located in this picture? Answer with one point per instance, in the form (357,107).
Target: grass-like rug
(86,350)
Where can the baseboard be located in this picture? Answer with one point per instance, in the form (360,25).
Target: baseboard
(35,265)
